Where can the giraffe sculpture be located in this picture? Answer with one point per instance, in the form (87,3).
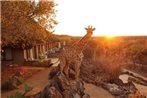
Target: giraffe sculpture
(73,54)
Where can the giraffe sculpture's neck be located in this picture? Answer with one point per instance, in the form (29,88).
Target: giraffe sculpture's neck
(82,42)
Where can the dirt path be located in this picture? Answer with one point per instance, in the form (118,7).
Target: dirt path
(96,92)
(37,81)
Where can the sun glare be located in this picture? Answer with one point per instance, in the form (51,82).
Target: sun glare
(109,36)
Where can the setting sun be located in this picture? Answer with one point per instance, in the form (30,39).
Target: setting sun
(109,36)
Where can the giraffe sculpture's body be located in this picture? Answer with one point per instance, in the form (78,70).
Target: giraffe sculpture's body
(73,54)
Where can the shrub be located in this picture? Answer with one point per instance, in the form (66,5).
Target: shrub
(8,85)
(19,80)
(28,88)
(42,56)
(19,94)
(16,95)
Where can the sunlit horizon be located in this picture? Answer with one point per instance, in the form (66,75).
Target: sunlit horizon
(109,17)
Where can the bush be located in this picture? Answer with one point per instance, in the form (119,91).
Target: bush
(8,85)
(28,88)
(16,95)
(19,94)
(12,83)
(19,80)
(42,56)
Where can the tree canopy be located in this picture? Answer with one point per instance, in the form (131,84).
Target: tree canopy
(23,23)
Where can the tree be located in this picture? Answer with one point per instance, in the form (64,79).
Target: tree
(23,23)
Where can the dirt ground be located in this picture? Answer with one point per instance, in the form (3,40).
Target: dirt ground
(97,92)
(39,80)
(27,71)
(141,88)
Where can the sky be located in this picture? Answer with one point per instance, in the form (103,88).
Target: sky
(109,17)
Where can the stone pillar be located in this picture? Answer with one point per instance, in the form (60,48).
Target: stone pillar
(43,48)
(33,51)
(31,54)
(59,45)
(51,45)
(25,54)
(28,54)
(47,47)
(37,52)
(64,43)
(39,49)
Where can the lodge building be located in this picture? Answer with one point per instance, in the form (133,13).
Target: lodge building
(11,55)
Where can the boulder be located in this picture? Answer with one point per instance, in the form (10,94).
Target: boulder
(60,86)
(96,75)
(120,91)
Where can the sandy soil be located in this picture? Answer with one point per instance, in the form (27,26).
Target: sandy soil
(37,81)
(40,79)
(141,88)
(27,71)
(96,92)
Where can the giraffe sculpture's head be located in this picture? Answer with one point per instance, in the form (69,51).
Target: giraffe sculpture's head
(90,30)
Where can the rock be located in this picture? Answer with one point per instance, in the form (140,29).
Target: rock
(50,92)
(96,75)
(72,74)
(86,96)
(120,91)
(61,87)
(136,95)
(113,89)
